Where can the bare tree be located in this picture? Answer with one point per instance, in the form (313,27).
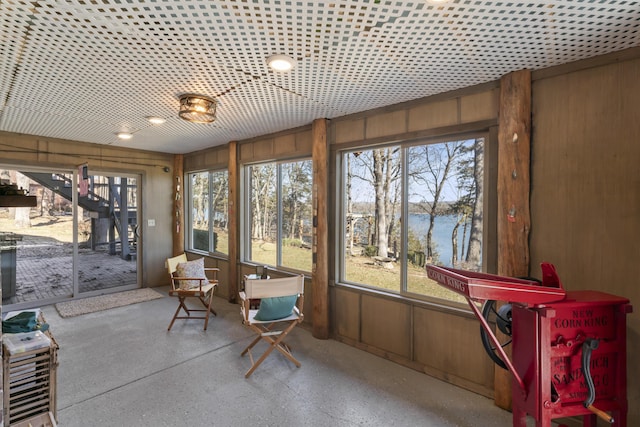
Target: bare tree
(379,182)
(381,169)
(296,189)
(475,238)
(262,200)
(432,166)
(200,193)
(220,192)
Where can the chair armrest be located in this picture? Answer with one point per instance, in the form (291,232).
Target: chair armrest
(215,273)
(175,280)
(244,306)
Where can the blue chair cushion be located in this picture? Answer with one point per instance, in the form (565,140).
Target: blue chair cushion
(276,307)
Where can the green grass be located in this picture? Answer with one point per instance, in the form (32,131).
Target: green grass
(292,257)
(360,269)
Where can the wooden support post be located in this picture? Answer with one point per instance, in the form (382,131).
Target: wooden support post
(320,267)
(178,207)
(514,221)
(234,220)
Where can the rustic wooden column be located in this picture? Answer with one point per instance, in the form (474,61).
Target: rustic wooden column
(178,205)
(234,220)
(320,267)
(514,221)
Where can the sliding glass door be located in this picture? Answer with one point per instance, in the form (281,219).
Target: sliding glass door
(79,238)
(107,233)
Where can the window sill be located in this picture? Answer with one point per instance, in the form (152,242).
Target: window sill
(412,299)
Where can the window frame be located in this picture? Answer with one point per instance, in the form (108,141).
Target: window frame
(189,216)
(489,251)
(245,217)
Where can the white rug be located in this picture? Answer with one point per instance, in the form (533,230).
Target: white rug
(105,302)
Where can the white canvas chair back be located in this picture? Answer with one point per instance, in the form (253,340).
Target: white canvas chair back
(271,331)
(258,288)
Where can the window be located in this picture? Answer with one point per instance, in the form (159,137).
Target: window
(279,215)
(406,206)
(208,212)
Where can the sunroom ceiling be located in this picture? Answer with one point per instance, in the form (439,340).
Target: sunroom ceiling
(87,69)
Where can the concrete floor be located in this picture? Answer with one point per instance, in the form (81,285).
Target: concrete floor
(121,367)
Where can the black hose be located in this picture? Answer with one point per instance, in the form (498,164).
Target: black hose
(588,346)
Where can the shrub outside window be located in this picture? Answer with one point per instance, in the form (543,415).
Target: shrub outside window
(208,211)
(279,214)
(408,206)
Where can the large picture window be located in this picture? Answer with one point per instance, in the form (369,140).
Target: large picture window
(279,217)
(208,212)
(408,206)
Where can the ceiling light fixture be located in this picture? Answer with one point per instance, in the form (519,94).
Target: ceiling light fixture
(197,108)
(124,135)
(281,63)
(438,1)
(156,120)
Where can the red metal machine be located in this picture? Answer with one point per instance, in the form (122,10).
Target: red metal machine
(568,355)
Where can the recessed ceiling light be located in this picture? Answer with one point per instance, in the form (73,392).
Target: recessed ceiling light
(438,1)
(156,120)
(124,135)
(281,62)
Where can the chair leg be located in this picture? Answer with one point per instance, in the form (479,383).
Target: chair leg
(283,348)
(181,305)
(206,316)
(207,301)
(250,346)
(265,334)
(208,304)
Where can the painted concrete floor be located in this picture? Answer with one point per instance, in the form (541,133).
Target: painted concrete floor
(121,367)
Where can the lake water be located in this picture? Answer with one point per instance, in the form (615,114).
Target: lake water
(419,225)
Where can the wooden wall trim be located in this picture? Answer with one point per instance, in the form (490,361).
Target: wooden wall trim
(459,130)
(320,267)
(234,221)
(471,90)
(513,217)
(514,143)
(598,61)
(178,205)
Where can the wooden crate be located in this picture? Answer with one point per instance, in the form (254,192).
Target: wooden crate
(29,382)
(42,420)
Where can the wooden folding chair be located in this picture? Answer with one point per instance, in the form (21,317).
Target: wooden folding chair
(281,305)
(203,290)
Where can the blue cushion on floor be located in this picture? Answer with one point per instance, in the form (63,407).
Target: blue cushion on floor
(276,308)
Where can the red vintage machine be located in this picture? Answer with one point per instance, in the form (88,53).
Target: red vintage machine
(568,348)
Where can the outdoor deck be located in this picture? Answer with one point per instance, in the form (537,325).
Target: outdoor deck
(44,271)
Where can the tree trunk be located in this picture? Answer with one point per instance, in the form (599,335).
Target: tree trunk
(380,209)
(454,244)
(475,236)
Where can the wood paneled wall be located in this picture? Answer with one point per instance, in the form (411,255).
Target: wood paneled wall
(585,198)
(442,342)
(157,185)
(438,116)
(585,208)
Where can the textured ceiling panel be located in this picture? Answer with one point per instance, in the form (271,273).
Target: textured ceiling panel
(87,69)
